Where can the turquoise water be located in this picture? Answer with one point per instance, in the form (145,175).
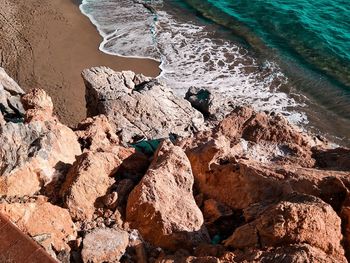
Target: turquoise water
(315,32)
(310,39)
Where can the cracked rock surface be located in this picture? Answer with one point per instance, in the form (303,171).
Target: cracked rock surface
(139,107)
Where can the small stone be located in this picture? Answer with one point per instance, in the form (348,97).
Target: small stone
(104,245)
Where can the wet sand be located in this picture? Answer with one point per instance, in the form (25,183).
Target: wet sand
(47,44)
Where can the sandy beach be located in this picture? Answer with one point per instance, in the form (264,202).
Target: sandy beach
(47,44)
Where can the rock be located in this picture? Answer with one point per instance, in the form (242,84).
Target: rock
(213,210)
(138,110)
(104,245)
(278,190)
(256,136)
(11,107)
(89,179)
(38,106)
(241,183)
(137,249)
(119,195)
(270,136)
(35,153)
(141,79)
(2,119)
(244,122)
(47,223)
(296,219)
(96,134)
(205,101)
(332,159)
(123,188)
(206,250)
(110,200)
(345,216)
(187,259)
(162,206)
(291,253)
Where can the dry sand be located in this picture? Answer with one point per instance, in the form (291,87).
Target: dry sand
(48,43)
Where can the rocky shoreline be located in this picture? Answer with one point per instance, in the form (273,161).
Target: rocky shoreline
(151,177)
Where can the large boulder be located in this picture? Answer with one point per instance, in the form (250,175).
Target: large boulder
(50,225)
(296,219)
(138,107)
(243,182)
(104,245)
(162,206)
(89,178)
(247,134)
(244,122)
(36,152)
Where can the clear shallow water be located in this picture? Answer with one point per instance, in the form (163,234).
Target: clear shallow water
(274,55)
(316,31)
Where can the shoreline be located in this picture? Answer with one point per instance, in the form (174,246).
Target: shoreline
(103,40)
(302,106)
(53,44)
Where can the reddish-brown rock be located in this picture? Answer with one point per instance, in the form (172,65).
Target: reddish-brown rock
(296,219)
(162,206)
(38,106)
(185,256)
(250,135)
(257,126)
(345,216)
(187,259)
(36,152)
(291,254)
(104,245)
(90,178)
(96,134)
(49,224)
(239,184)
